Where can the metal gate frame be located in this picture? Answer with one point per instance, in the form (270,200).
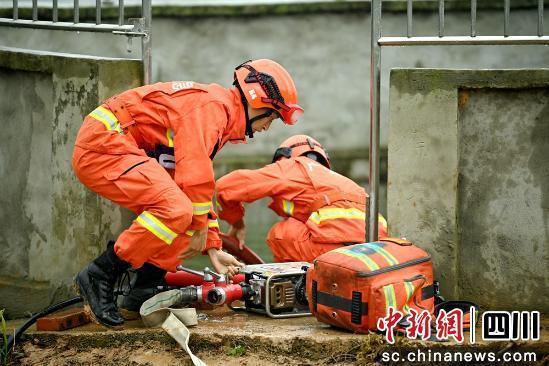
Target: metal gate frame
(377,42)
(139,27)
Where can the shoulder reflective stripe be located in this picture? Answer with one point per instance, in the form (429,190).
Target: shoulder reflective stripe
(337,213)
(106,117)
(213,223)
(189,232)
(390,297)
(155,226)
(288,207)
(372,266)
(169,136)
(201,208)
(384,253)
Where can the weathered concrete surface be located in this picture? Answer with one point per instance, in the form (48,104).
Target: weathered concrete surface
(468,162)
(260,341)
(50,224)
(327,53)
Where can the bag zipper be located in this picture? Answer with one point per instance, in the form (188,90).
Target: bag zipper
(394,268)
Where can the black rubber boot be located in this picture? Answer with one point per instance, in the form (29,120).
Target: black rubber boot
(95,284)
(147,280)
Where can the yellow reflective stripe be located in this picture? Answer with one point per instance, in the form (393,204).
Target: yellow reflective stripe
(384,253)
(169,136)
(213,223)
(409,292)
(190,232)
(390,296)
(218,205)
(201,208)
(337,213)
(155,226)
(382,221)
(361,257)
(288,207)
(107,118)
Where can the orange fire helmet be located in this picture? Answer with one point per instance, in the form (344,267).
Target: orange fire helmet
(266,84)
(299,145)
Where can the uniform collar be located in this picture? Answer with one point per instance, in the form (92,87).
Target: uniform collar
(236,127)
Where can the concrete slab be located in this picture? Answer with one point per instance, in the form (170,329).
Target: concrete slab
(224,337)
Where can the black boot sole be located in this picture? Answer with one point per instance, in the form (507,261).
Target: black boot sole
(79,289)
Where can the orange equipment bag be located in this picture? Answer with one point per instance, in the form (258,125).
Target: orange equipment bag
(353,286)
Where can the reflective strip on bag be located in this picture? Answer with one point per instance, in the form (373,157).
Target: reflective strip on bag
(201,208)
(409,292)
(169,136)
(372,266)
(106,117)
(337,213)
(213,223)
(155,226)
(391,260)
(390,297)
(288,207)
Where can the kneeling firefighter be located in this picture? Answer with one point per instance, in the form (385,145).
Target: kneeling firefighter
(322,209)
(182,124)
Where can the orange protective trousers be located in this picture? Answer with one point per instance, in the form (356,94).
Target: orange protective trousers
(290,241)
(139,184)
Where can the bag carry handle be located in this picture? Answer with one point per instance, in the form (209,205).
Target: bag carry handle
(400,241)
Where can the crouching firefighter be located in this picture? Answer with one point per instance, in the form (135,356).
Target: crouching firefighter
(322,210)
(185,123)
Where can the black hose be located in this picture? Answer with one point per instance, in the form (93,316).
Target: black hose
(32,320)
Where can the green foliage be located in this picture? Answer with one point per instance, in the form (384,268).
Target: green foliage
(4,328)
(236,351)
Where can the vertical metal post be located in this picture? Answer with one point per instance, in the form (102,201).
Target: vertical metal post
(473,18)
(441,18)
(540,18)
(409,15)
(55,13)
(375,78)
(120,12)
(15,10)
(97,11)
(34,9)
(507,6)
(146,42)
(76,12)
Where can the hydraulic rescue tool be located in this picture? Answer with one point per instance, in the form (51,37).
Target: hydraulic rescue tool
(274,289)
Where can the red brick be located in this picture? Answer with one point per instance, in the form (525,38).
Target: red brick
(62,320)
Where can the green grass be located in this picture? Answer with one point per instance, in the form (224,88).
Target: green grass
(236,351)
(4,351)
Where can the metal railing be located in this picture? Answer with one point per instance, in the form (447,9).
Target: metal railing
(138,27)
(377,42)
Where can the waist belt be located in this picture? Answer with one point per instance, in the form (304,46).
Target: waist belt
(127,123)
(327,199)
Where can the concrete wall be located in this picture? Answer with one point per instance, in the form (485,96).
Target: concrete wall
(468,162)
(50,225)
(327,53)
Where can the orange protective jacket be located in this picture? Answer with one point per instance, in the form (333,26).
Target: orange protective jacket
(196,120)
(331,205)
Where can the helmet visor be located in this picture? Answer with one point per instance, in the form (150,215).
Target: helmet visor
(291,115)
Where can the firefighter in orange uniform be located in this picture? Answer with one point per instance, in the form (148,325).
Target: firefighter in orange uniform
(322,209)
(125,146)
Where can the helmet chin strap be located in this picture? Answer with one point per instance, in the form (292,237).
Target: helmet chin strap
(250,121)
